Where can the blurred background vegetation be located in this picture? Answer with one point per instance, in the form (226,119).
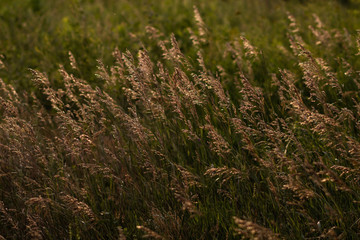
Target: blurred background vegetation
(38,34)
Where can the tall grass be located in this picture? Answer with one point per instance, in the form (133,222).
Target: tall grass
(174,145)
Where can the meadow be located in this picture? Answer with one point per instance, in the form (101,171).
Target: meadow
(179,119)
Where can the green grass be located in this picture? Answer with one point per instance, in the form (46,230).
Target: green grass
(252,133)
(38,34)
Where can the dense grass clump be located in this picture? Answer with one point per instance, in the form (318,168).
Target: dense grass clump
(197,131)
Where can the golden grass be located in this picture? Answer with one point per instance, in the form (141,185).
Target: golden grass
(175,154)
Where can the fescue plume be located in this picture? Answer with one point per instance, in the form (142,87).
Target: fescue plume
(200,25)
(252,230)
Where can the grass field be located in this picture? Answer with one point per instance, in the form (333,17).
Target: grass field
(179,119)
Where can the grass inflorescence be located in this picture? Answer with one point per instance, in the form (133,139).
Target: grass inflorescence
(186,135)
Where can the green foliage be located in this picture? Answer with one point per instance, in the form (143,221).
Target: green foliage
(179,119)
